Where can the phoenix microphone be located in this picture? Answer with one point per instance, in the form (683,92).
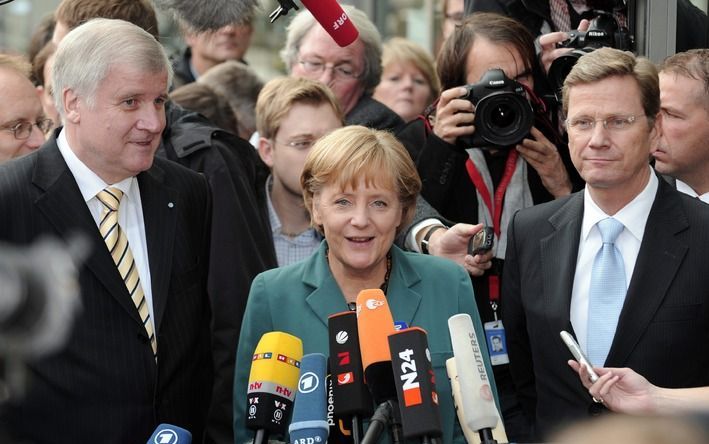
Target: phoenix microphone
(309,423)
(375,324)
(210,15)
(478,402)
(351,397)
(415,384)
(275,368)
(170,434)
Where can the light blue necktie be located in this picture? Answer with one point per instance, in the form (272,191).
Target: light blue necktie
(607,293)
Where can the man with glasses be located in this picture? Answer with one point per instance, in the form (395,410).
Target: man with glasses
(351,72)
(22,121)
(622,265)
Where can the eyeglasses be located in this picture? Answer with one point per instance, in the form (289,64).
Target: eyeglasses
(343,71)
(23,130)
(299,144)
(612,123)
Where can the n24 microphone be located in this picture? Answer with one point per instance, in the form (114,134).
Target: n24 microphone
(334,20)
(170,434)
(275,368)
(415,384)
(309,423)
(478,401)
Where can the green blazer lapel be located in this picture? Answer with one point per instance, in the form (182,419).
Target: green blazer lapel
(326,297)
(402,294)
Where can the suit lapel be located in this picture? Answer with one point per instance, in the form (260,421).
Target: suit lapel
(64,207)
(657,264)
(403,300)
(159,216)
(558,262)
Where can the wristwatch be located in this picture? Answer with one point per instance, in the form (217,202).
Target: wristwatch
(424,241)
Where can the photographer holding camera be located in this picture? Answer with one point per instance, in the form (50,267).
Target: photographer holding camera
(493,151)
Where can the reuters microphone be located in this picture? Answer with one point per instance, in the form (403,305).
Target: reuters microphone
(415,384)
(273,380)
(334,20)
(478,401)
(309,423)
(170,434)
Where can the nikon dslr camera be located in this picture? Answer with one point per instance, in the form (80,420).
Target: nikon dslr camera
(503,115)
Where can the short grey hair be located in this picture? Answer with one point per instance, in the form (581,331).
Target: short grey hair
(368,35)
(86,54)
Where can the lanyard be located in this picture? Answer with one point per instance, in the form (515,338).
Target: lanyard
(496,210)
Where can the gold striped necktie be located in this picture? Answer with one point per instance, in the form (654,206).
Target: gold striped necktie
(117,243)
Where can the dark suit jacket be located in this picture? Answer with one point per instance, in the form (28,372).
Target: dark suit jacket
(105,385)
(424,291)
(664,324)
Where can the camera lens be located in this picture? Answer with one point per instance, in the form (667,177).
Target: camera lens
(502,116)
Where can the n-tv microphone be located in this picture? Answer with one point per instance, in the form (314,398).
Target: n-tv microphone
(478,402)
(351,396)
(328,13)
(309,423)
(273,381)
(375,324)
(170,434)
(415,384)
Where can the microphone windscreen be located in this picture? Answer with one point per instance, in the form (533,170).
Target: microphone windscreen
(334,20)
(210,15)
(309,422)
(170,434)
(273,380)
(478,401)
(350,394)
(415,383)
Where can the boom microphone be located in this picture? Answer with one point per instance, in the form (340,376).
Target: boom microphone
(309,424)
(275,368)
(210,15)
(415,384)
(334,20)
(170,434)
(478,402)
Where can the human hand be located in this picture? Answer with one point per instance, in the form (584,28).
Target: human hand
(453,244)
(543,156)
(454,116)
(548,43)
(620,389)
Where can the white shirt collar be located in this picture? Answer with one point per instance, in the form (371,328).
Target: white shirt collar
(686,189)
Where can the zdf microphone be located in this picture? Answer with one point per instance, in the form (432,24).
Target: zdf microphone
(170,434)
(273,381)
(309,423)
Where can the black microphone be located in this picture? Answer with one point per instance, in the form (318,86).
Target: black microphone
(170,434)
(351,397)
(415,384)
(210,15)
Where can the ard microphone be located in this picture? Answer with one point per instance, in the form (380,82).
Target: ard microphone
(334,20)
(275,368)
(210,15)
(478,402)
(415,384)
(309,423)
(170,434)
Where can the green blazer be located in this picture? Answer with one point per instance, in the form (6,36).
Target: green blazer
(424,291)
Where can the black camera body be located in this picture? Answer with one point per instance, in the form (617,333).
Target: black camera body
(503,114)
(604,31)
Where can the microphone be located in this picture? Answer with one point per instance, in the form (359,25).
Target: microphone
(210,15)
(334,20)
(415,384)
(478,403)
(170,434)
(375,324)
(275,368)
(309,423)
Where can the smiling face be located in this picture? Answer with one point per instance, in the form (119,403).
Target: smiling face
(117,135)
(359,225)
(614,161)
(404,89)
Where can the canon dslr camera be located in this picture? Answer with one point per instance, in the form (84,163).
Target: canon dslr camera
(503,115)
(603,31)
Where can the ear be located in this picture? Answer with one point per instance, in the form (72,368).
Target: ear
(656,130)
(72,108)
(265,151)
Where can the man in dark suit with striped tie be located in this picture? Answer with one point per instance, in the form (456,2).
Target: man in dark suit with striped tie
(139,354)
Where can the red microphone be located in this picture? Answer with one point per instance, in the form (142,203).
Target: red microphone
(334,20)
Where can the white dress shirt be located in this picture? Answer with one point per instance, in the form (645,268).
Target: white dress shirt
(634,217)
(686,189)
(130,212)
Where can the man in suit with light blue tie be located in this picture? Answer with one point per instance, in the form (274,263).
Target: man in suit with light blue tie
(621,264)
(139,353)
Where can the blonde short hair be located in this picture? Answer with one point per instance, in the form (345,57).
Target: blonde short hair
(349,154)
(16,63)
(401,50)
